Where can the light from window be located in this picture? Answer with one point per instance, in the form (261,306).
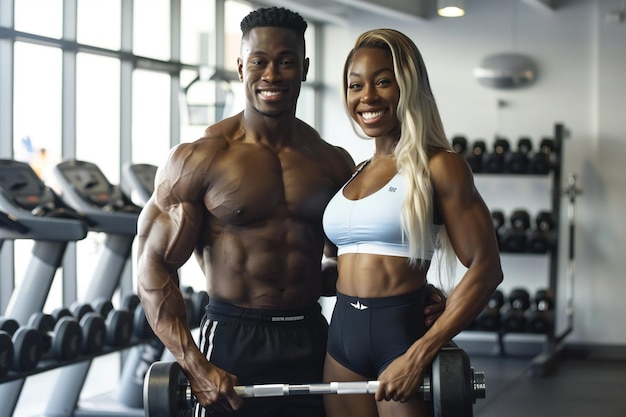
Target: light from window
(98,112)
(197,28)
(234,12)
(41,17)
(37,105)
(151,117)
(151,29)
(99,23)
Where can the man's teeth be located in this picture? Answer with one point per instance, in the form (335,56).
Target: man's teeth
(270,93)
(371,114)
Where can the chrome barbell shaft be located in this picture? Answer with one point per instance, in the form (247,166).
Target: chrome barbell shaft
(279,390)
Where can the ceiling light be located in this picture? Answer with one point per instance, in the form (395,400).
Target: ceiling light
(450,8)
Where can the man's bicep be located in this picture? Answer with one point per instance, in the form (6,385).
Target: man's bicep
(167,237)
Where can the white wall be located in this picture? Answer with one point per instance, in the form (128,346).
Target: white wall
(582,84)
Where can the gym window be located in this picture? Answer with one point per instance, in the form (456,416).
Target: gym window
(102,80)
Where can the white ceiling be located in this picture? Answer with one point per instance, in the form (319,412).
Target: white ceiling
(339,11)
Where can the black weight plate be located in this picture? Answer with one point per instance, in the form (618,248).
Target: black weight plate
(80,309)
(452,385)
(6,353)
(102,306)
(94,331)
(164,391)
(26,349)
(8,325)
(142,329)
(60,312)
(43,323)
(119,325)
(67,340)
(200,300)
(190,311)
(129,302)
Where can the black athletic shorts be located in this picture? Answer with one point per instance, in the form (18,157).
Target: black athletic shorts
(267,346)
(367,334)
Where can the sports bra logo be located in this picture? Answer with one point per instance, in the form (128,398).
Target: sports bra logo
(392,189)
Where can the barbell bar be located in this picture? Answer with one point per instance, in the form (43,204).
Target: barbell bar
(452,385)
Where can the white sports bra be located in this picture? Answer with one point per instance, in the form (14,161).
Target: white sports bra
(370,224)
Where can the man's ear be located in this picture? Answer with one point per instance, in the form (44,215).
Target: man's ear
(240,68)
(305,69)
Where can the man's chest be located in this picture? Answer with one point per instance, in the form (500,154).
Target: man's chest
(254,187)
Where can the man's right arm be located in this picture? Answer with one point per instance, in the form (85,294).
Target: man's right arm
(168,230)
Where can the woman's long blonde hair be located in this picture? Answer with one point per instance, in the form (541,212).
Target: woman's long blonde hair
(421,132)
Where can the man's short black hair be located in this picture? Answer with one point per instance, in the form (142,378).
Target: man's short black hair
(273,17)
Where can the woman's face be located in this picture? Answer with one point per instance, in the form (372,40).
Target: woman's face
(373,93)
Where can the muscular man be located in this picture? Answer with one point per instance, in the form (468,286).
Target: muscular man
(247,199)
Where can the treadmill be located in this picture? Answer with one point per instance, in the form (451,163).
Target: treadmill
(33,211)
(84,187)
(138,181)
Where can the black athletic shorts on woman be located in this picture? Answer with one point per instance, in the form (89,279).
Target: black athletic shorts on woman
(264,347)
(367,334)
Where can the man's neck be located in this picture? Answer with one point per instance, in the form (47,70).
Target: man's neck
(274,132)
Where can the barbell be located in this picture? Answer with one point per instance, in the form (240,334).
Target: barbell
(451,384)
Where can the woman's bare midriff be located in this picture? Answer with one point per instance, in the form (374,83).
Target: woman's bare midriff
(369,275)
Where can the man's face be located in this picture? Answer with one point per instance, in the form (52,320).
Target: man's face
(272,67)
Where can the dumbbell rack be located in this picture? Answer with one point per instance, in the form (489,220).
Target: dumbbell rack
(119,226)
(46,365)
(552,340)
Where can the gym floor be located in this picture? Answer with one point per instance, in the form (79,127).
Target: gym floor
(577,388)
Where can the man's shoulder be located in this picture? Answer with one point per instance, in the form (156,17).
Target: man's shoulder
(225,129)
(197,151)
(217,138)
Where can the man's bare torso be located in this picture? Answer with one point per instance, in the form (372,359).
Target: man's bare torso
(261,239)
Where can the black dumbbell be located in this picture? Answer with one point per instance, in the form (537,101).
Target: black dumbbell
(129,302)
(513,238)
(540,239)
(62,338)
(541,162)
(514,317)
(476,155)
(494,161)
(190,310)
(26,342)
(195,303)
(540,318)
(517,162)
(141,328)
(119,323)
(200,300)
(489,318)
(459,144)
(93,325)
(498,224)
(6,353)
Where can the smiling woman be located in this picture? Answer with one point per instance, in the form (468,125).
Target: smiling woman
(413,199)
(373,94)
